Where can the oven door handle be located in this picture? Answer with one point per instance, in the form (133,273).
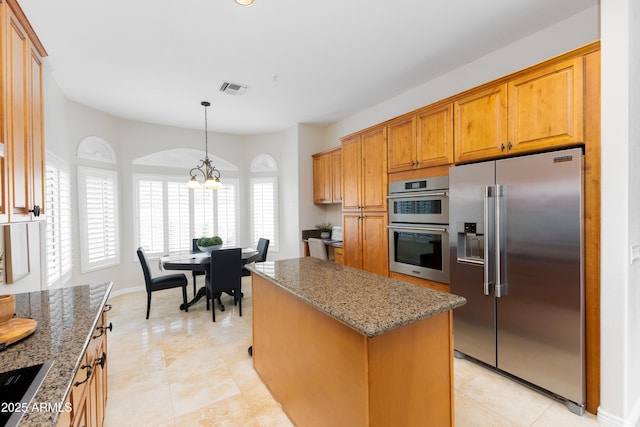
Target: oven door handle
(417,228)
(414,195)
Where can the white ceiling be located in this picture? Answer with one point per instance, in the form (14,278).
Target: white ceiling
(303,61)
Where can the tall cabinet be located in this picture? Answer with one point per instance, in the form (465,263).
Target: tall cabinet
(22,118)
(364,200)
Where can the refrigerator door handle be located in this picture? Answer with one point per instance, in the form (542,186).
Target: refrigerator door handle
(499,287)
(488,196)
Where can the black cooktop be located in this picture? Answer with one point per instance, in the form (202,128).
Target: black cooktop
(17,388)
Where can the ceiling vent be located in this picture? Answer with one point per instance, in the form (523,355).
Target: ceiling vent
(232,88)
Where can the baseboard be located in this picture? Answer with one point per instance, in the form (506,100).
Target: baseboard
(125,291)
(609,420)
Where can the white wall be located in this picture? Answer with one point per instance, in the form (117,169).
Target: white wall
(620,280)
(574,32)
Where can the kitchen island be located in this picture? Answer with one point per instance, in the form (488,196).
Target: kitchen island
(340,346)
(68,320)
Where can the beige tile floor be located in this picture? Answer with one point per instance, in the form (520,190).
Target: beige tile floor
(181,369)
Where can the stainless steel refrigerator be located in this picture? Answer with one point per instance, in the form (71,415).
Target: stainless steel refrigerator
(517,257)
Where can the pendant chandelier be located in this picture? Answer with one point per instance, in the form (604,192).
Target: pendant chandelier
(209,172)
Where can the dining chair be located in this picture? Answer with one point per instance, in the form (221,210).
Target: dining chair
(225,276)
(177,280)
(317,248)
(195,249)
(263,247)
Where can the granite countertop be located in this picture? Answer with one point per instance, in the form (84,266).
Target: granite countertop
(66,319)
(366,302)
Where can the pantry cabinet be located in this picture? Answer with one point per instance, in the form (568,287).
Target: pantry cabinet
(421,140)
(364,204)
(538,109)
(327,182)
(22,117)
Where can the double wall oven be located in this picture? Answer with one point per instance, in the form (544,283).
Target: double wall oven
(419,228)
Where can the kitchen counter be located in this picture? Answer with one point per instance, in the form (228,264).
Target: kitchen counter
(340,346)
(368,303)
(66,320)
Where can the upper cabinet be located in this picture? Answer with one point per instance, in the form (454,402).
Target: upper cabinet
(539,108)
(327,172)
(546,107)
(22,118)
(421,140)
(481,124)
(364,171)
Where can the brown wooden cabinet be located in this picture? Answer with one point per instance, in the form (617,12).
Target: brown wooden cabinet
(481,124)
(538,109)
(364,174)
(327,171)
(546,107)
(365,242)
(88,396)
(22,117)
(421,140)
(336,175)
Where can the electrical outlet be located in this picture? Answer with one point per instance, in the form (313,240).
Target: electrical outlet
(635,252)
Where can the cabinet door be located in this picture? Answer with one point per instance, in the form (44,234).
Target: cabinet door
(374,169)
(16,113)
(351,171)
(336,175)
(322,179)
(401,134)
(36,134)
(546,107)
(434,141)
(480,124)
(375,243)
(352,240)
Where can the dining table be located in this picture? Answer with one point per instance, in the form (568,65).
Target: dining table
(200,261)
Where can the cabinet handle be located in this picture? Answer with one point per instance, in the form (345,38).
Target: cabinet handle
(102,360)
(509,146)
(102,329)
(501,147)
(89,372)
(35,210)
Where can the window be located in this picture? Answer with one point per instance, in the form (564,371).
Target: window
(264,203)
(168,215)
(58,208)
(98,206)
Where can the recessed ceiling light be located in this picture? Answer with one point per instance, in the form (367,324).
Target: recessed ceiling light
(245,2)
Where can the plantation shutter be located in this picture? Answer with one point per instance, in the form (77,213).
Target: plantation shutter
(58,205)
(100,230)
(264,210)
(151,215)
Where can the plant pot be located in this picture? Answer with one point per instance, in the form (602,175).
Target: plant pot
(325,235)
(7,308)
(208,249)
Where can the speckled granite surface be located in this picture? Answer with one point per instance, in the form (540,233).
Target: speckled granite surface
(366,302)
(66,319)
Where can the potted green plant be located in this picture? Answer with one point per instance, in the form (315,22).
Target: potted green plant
(325,230)
(208,244)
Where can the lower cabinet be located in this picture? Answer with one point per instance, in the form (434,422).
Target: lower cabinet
(338,255)
(366,241)
(88,397)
